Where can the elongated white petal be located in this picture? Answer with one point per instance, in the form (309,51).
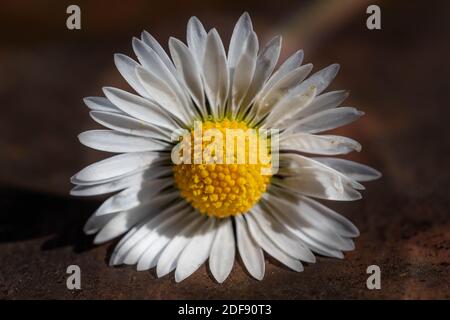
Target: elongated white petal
(149,258)
(319,144)
(161,216)
(281,236)
(164,234)
(121,223)
(215,73)
(294,61)
(170,227)
(129,125)
(321,79)
(288,107)
(113,141)
(130,233)
(95,223)
(136,195)
(162,160)
(241,31)
(149,40)
(152,62)
(126,67)
(189,72)
(140,108)
(312,213)
(196,39)
(325,101)
(140,247)
(354,170)
(296,161)
(101,104)
(284,86)
(116,166)
(316,180)
(169,257)
(318,245)
(223,249)
(319,183)
(269,246)
(265,63)
(153,172)
(326,120)
(243,74)
(164,95)
(251,253)
(196,252)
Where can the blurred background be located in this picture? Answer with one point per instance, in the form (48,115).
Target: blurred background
(398,75)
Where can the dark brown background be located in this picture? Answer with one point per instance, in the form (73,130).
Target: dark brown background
(398,76)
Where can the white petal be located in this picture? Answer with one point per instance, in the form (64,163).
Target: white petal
(196,39)
(281,236)
(266,243)
(126,67)
(101,104)
(319,183)
(139,248)
(137,227)
(321,79)
(153,63)
(116,166)
(137,195)
(354,170)
(288,107)
(215,73)
(196,252)
(95,223)
(223,250)
(313,213)
(149,40)
(164,95)
(168,228)
(150,256)
(318,144)
(140,108)
(243,74)
(298,162)
(314,179)
(121,223)
(241,31)
(161,215)
(250,252)
(290,64)
(326,120)
(169,257)
(316,245)
(188,71)
(129,125)
(325,101)
(265,63)
(153,172)
(279,90)
(342,225)
(113,141)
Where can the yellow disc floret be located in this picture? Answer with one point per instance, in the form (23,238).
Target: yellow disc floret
(226,175)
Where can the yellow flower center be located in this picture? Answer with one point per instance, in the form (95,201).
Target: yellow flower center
(229,168)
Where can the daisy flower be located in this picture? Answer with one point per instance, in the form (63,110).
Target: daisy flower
(177,216)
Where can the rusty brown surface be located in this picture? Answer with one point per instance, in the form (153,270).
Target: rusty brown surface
(398,76)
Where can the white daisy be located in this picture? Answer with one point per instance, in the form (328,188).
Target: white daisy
(177,216)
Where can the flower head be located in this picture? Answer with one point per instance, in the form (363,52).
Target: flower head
(212,157)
